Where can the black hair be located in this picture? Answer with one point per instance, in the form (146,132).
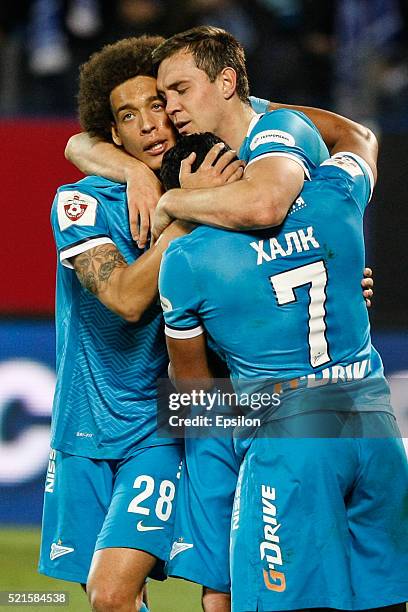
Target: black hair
(200,144)
(106,69)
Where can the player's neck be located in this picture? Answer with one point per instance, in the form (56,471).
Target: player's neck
(234,127)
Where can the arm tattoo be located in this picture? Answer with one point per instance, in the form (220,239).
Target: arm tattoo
(94,267)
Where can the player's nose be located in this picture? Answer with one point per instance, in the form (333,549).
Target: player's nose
(172,104)
(147,123)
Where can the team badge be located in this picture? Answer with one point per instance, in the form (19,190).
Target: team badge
(75,208)
(346,163)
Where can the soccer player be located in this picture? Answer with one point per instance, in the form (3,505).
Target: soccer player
(202,76)
(215,573)
(108,512)
(313,517)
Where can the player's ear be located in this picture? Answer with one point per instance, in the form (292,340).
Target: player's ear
(228,78)
(115,135)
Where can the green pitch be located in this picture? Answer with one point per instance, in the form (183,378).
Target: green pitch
(19,555)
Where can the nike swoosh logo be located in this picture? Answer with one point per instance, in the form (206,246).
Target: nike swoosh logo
(141,527)
(179,547)
(59,551)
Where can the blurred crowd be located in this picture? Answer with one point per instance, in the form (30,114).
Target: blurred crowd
(346,55)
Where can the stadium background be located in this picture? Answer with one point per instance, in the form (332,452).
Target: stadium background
(344,55)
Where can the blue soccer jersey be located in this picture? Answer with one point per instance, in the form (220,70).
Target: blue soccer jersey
(285,302)
(105,399)
(286,133)
(259,105)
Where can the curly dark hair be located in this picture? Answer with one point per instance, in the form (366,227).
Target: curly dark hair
(200,144)
(213,49)
(106,69)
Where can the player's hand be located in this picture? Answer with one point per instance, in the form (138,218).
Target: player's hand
(143,192)
(211,173)
(367,284)
(161,219)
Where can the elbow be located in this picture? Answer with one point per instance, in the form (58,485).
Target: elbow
(373,143)
(369,148)
(68,153)
(371,138)
(359,135)
(133,310)
(273,216)
(266,207)
(131,317)
(127,298)
(366,134)
(268,214)
(131,314)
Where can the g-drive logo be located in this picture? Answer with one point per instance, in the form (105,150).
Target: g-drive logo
(270,549)
(272,136)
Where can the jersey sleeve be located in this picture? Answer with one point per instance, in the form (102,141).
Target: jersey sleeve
(259,105)
(356,171)
(178,295)
(79,223)
(286,133)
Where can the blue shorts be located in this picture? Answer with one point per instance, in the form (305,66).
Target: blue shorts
(94,504)
(200,551)
(323,522)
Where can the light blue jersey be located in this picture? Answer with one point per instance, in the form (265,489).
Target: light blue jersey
(204,503)
(259,105)
(287,133)
(105,399)
(284,303)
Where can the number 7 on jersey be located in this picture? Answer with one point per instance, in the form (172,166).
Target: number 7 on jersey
(315,275)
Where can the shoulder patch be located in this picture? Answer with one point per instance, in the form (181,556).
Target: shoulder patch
(75,208)
(272,136)
(346,163)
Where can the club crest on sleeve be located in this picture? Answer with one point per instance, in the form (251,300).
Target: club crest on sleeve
(76,208)
(346,163)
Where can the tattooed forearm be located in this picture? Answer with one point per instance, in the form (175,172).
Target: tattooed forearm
(94,267)
(89,282)
(115,260)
